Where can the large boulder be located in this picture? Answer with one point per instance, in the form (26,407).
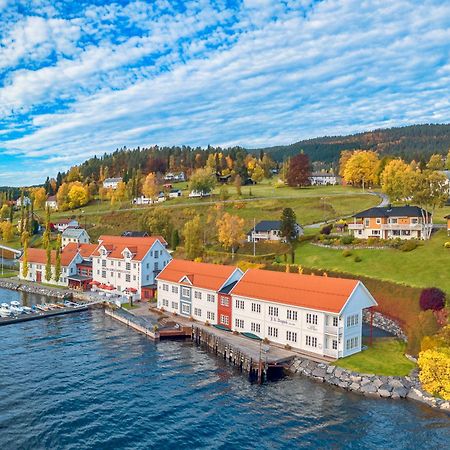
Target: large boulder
(369,388)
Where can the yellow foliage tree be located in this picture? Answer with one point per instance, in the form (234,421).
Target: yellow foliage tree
(393,179)
(434,373)
(150,187)
(230,231)
(192,233)
(40,197)
(77,196)
(361,168)
(7,231)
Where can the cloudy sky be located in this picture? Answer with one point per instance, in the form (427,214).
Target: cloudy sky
(79,78)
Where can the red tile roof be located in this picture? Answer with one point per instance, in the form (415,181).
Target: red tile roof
(201,275)
(139,246)
(39,255)
(86,250)
(307,291)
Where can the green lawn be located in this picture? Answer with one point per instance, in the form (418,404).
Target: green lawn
(426,266)
(384,357)
(9,273)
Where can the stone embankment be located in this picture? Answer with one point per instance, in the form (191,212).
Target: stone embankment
(35,289)
(368,384)
(386,324)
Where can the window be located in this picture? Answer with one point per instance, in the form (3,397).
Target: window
(112,274)
(256,327)
(174,305)
(291,315)
(414,220)
(210,315)
(174,289)
(311,318)
(239,323)
(210,298)
(273,311)
(311,341)
(291,336)
(352,320)
(224,301)
(198,295)
(165,287)
(165,302)
(256,307)
(185,292)
(156,254)
(352,343)
(198,312)
(335,321)
(224,319)
(104,273)
(104,263)
(185,309)
(156,266)
(128,277)
(112,264)
(239,304)
(366,222)
(335,344)
(273,332)
(127,266)
(378,221)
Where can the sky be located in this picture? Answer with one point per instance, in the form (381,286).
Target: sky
(79,78)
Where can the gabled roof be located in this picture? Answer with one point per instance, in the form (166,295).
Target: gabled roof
(393,211)
(73,232)
(65,221)
(39,255)
(306,291)
(268,225)
(324,174)
(201,275)
(113,180)
(86,250)
(139,246)
(134,234)
(51,198)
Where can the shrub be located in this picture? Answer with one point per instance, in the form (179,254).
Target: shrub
(346,253)
(432,298)
(447,244)
(408,246)
(346,240)
(357,259)
(424,325)
(371,241)
(326,229)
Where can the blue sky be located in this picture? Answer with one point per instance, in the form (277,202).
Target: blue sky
(79,78)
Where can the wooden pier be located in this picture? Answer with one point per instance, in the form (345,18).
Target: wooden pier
(41,315)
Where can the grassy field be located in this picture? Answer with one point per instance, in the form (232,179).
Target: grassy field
(384,357)
(426,266)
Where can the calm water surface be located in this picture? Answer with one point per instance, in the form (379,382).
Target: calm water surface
(85,381)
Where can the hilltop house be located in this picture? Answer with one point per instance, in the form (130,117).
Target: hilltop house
(324,179)
(62,224)
(319,315)
(402,222)
(37,261)
(129,265)
(175,177)
(77,235)
(269,230)
(26,202)
(142,200)
(112,183)
(51,202)
(199,290)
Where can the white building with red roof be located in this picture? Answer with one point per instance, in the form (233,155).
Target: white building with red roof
(129,265)
(195,289)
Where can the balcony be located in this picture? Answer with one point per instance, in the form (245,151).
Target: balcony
(331,330)
(355,226)
(399,226)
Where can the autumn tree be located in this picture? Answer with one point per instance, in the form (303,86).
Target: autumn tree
(192,234)
(394,180)
(238,184)
(257,174)
(77,196)
(4,211)
(58,259)
(150,188)
(202,180)
(230,231)
(25,238)
(447,161)
(299,171)
(7,229)
(436,162)
(40,196)
(73,175)
(62,196)
(288,228)
(345,156)
(158,221)
(361,168)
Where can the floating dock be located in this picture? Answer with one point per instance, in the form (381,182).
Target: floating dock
(42,314)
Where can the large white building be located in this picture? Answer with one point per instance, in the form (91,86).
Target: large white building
(318,315)
(112,183)
(129,265)
(192,289)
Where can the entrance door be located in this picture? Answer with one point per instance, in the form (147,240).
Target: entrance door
(38,277)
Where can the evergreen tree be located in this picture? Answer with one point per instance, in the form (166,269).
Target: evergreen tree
(24,238)
(58,259)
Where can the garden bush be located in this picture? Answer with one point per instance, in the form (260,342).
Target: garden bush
(447,244)
(326,229)
(357,259)
(346,240)
(346,253)
(432,298)
(408,246)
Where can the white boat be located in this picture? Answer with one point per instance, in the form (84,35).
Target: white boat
(16,307)
(27,310)
(5,310)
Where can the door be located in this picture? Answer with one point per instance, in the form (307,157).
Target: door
(38,277)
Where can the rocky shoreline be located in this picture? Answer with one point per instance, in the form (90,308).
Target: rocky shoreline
(384,323)
(35,289)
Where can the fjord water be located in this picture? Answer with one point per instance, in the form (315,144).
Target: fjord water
(85,381)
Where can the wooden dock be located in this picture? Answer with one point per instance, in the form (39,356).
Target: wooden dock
(42,315)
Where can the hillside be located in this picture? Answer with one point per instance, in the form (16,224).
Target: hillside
(412,142)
